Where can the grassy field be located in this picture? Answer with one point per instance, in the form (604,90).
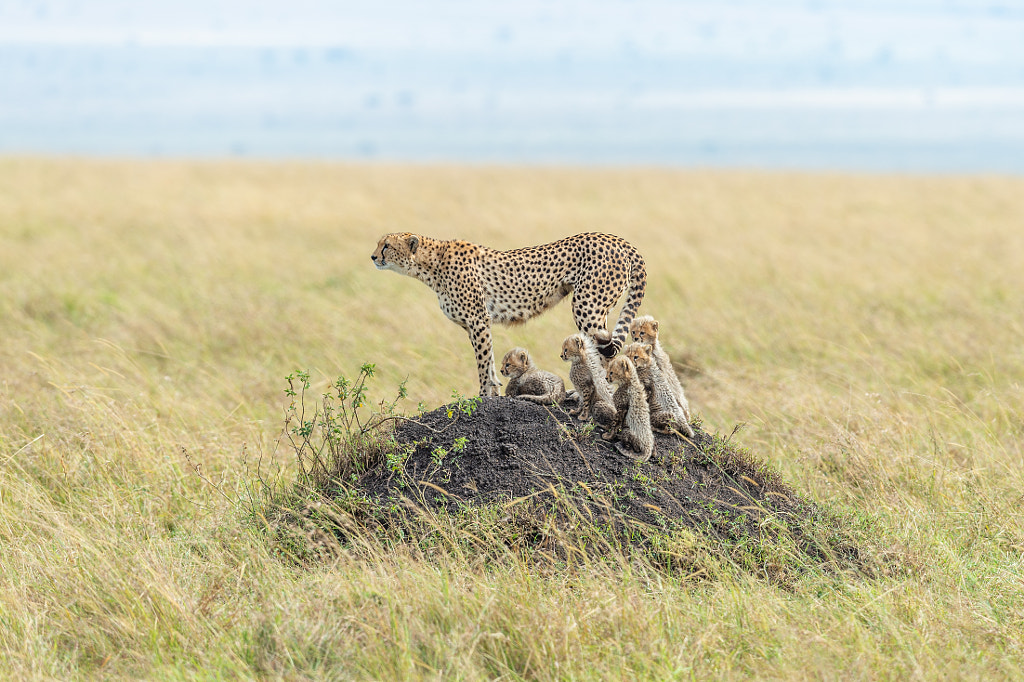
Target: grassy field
(867,330)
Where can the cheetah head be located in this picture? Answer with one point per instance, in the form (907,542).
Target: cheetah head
(572,347)
(515,363)
(644,329)
(618,370)
(639,353)
(395,252)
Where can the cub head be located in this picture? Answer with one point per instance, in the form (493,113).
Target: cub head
(639,353)
(395,251)
(644,329)
(619,369)
(572,347)
(515,362)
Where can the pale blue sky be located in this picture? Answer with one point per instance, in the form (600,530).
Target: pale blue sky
(898,85)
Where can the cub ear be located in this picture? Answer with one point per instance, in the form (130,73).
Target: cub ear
(522,356)
(414,243)
(654,326)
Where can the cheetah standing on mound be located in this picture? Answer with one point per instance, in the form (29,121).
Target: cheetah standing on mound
(587,375)
(476,286)
(632,416)
(529,383)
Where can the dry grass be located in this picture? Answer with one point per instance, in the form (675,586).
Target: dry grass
(869,331)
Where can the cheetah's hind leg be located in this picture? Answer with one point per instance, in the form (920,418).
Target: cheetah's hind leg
(591,320)
(604,343)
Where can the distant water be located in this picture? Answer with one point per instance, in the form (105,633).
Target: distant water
(846,103)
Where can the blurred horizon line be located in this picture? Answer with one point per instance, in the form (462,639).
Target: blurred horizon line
(886,85)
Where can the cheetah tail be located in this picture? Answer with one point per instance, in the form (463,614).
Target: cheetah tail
(634,297)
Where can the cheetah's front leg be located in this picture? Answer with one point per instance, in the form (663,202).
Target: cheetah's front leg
(480,337)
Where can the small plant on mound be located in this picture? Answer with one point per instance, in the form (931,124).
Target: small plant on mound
(577,433)
(337,439)
(462,404)
(334,440)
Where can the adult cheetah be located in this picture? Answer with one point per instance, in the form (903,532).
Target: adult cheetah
(476,286)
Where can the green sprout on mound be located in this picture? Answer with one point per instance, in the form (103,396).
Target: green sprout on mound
(462,404)
(334,438)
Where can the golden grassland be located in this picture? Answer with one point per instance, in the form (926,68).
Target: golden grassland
(868,330)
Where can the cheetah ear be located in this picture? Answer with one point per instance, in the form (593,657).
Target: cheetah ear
(522,356)
(654,326)
(414,243)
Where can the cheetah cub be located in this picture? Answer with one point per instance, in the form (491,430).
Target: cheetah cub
(644,329)
(666,413)
(632,416)
(529,383)
(587,375)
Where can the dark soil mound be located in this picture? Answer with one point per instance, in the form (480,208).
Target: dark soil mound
(535,460)
(515,448)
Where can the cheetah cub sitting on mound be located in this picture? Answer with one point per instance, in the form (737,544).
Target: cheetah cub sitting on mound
(632,416)
(588,376)
(666,414)
(644,329)
(529,383)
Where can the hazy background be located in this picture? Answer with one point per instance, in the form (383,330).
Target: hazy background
(889,85)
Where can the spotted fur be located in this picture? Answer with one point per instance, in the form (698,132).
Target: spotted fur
(588,377)
(666,413)
(529,383)
(477,286)
(632,416)
(644,329)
